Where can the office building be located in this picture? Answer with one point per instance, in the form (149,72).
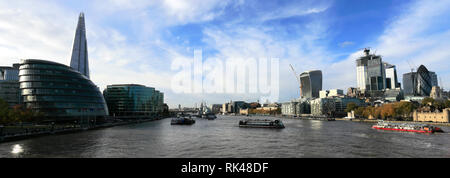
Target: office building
(391,76)
(370,72)
(323,107)
(9,84)
(79,60)
(133,100)
(59,92)
(311,83)
(434,79)
(331,93)
(417,83)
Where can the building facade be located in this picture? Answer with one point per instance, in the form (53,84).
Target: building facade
(434,79)
(79,60)
(215,108)
(417,83)
(9,85)
(322,106)
(311,83)
(391,76)
(331,93)
(133,100)
(371,75)
(443,117)
(59,92)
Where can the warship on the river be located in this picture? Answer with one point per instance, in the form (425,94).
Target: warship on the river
(182,120)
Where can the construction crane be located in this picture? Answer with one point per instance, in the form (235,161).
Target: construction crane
(298,79)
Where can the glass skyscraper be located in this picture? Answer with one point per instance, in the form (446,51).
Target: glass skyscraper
(79,60)
(133,100)
(311,83)
(418,83)
(371,75)
(59,91)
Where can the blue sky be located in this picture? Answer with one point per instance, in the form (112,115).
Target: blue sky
(135,41)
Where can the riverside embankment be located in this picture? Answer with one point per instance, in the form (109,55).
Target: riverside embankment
(20,132)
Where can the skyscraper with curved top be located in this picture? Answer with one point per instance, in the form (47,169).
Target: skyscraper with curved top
(79,60)
(311,83)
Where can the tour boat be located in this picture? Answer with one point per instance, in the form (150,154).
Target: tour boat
(259,123)
(407,127)
(182,120)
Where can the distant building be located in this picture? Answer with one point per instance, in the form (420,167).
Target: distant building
(371,74)
(393,95)
(9,73)
(436,92)
(434,79)
(311,83)
(225,108)
(391,76)
(59,92)
(331,93)
(417,83)
(296,108)
(9,85)
(342,102)
(323,107)
(238,105)
(215,108)
(289,108)
(443,117)
(79,60)
(133,100)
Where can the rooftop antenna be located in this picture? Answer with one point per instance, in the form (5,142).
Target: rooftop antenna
(410,66)
(298,79)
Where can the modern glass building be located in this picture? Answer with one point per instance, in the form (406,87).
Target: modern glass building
(418,83)
(58,91)
(133,100)
(311,83)
(371,75)
(9,85)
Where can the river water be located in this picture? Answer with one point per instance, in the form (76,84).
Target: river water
(223,138)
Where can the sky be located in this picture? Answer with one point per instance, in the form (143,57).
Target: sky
(136,41)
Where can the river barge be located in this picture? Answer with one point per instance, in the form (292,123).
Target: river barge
(258,123)
(407,127)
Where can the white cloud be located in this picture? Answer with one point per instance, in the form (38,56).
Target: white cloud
(419,35)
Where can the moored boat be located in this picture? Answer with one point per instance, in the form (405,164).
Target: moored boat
(258,123)
(182,120)
(407,127)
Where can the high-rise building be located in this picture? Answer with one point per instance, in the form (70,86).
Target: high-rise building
(371,75)
(59,92)
(434,79)
(9,84)
(79,60)
(391,76)
(417,83)
(311,83)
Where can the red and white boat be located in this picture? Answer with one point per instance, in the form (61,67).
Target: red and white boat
(407,127)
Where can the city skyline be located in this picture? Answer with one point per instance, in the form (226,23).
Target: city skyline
(131,44)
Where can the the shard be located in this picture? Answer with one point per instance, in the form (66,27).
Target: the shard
(79,60)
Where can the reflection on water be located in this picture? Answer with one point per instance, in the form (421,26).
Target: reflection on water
(17,149)
(223,138)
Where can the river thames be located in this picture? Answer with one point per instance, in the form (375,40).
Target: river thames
(224,139)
